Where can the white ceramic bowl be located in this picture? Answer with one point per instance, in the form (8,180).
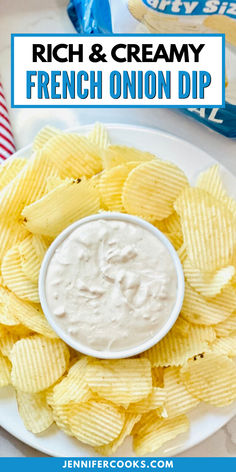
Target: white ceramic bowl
(135,349)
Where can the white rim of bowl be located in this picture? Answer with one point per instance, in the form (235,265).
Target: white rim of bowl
(135,349)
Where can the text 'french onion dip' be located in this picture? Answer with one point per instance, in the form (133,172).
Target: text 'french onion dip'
(111,285)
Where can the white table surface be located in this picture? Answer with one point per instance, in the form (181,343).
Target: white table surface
(49,16)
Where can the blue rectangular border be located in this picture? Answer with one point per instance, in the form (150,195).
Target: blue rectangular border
(119,464)
(174,35)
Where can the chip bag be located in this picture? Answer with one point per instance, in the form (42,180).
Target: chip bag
(166,17)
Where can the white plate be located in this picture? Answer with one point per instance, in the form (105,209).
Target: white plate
(205,420)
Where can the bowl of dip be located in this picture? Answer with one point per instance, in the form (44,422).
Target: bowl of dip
(111,285)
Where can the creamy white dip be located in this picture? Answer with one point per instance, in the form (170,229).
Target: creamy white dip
(111,285)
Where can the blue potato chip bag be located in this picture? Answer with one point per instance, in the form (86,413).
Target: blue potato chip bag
(170,16)
(90,16)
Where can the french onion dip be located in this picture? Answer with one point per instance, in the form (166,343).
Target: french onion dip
(111,285)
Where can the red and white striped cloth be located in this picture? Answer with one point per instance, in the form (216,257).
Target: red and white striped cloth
(7,146)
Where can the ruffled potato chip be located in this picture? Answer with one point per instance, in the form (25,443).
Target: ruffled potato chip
(161,412)
(158,377)
(211,378)
(197,309)
(176,239)
(96,423)
(152,432)
(7,342)
(99,136)
(73,155)
(151,189)
(211,181)
(172,224)
(49,391)
(115,155)
(37,363)
(34,411)
(73,387)
(6,319)
(3,331)
(182,253)
(43,136)
(32,251)
(111,448)
(95,181)
(226,327)
(121,381)
(174,350)
(10,169)
(19,330)
(54,182)
(154,400)
(225,346)
(111,184)
(28,186)
(60,416)
(230,203)
(208,227)
(15,279)
(5,371)
(202,332)
(178,399)
(11,233)
(226,300)
(62,206)
(160,224)
(16,312)
(181,327)
(207,284)
(40,245)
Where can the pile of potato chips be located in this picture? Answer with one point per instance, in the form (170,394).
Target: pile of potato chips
(101,402)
